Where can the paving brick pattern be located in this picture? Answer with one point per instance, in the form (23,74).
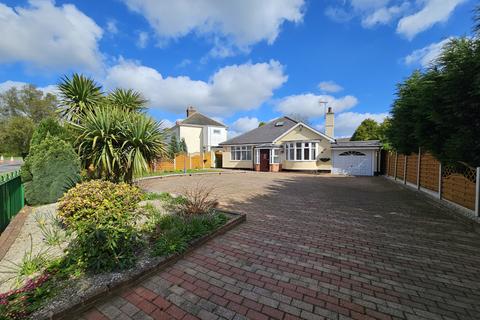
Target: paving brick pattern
(315,247)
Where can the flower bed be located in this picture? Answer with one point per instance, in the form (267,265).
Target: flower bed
(111,240)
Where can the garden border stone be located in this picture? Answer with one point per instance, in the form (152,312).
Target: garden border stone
(114,283)
(11,232)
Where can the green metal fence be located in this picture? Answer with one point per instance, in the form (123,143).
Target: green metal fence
(11,197)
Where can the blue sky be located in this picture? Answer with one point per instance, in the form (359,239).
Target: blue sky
(238,61)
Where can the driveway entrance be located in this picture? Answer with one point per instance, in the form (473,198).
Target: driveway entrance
(315,247)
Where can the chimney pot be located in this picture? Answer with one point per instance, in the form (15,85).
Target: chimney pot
(191,110)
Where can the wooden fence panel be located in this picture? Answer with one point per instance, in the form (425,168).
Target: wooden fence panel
(197,162)
(429,172)
(401,166)
(458,185)
(391,164)
(412,168)
(189,161)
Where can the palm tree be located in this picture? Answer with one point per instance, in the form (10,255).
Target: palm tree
(77,95)
(128,99)
(118,144)
(98,142)
(143,141)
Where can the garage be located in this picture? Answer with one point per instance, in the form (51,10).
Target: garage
(356,158)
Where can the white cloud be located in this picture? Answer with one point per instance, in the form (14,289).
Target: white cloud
(112,26)
(49,36)
(4,86)
(245,124)
(329,86)
(347,122)
(184,63)
(426,55)
(142,40)
(414,16)
(229,24)
(166,124)
(230,89)
(383,15)
(433,12)
(308,104)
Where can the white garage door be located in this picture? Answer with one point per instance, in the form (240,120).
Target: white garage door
(353,162)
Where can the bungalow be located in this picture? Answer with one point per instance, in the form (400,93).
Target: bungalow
(287,144)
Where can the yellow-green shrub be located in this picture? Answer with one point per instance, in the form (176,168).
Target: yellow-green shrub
(88,200)
(102,215)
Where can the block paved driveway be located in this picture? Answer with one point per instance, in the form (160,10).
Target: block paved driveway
(315,247)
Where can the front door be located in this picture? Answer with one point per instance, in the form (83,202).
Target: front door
(264,160)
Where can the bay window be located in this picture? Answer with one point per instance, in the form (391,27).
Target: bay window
(238,153)
(275,155)
(301,151)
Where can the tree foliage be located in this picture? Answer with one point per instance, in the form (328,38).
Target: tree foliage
(176,147)
(367,130)
(439,109)
(29,102)
(50,169)
(20,110)
(15,135)
(50,126)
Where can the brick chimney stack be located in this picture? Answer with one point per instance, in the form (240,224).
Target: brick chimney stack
(191,110)
(329,122)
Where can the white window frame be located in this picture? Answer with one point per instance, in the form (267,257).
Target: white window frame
(273,156)
(299,147)
(241,153)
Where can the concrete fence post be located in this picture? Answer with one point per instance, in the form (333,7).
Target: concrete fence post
(419,159)
(477,193)
(440,181)
(396,164)
(405,159)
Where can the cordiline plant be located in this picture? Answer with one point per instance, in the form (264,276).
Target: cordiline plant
(118,144)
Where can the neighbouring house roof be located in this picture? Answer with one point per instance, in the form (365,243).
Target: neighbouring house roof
(201,120)
(264,134)
(370,144)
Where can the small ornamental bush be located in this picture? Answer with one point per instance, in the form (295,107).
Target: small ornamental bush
(102,216)
(196,201)
(51,168)
(90,200)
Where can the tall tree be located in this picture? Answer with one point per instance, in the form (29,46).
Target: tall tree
(369,129)
(78,94)
(439,110)
(28,101)
(15,135)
